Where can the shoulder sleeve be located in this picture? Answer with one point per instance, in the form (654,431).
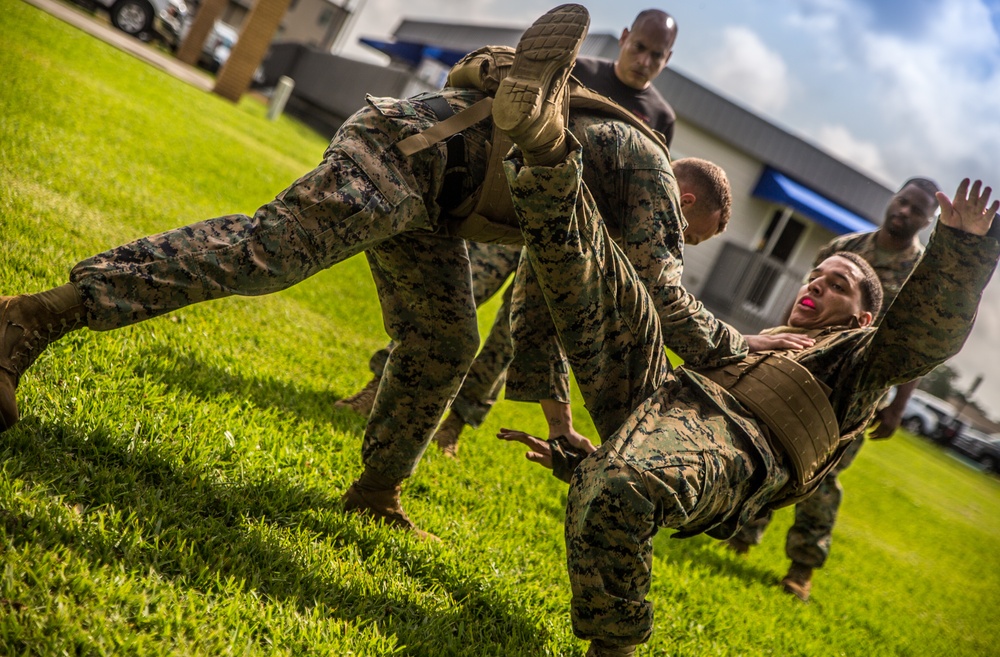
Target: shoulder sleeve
(651,226)
(933,314)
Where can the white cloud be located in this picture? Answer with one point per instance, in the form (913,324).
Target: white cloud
(942,92)
(838,140)
(745,68)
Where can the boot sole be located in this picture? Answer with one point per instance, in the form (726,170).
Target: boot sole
(542,64)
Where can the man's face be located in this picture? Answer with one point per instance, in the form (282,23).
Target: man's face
(830,297)
(643,52)
(702,224)
(909,212)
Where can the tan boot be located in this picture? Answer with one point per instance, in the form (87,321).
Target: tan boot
(375,496)
(531,103)
(28,324)
(798,581)
(447,434)
(362,401)
(600,649)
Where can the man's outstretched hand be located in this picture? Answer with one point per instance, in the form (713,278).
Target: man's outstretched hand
(541,452)
(969,211)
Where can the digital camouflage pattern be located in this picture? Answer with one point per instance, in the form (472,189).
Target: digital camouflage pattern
(366,196)
(491,265)
(679,451)
(811,535)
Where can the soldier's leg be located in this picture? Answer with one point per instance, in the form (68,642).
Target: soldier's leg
(539,369)
(602,312)
(492,265)
(485,379)
(751,533)
(809,538)
(426,295)
(330,214)
(673,464)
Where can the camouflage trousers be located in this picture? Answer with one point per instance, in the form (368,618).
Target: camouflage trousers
(669,457)
(364,196)
(811,535)
(539,371)
(491,266)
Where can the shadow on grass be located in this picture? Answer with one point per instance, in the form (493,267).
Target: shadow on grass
(184,372)
(185,525)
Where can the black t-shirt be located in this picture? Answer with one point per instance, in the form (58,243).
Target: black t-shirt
(647,104)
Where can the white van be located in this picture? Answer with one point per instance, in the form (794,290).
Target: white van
(924,413)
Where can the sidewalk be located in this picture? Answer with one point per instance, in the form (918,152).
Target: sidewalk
(77,17)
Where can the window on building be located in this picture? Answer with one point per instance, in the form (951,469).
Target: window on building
(777,244)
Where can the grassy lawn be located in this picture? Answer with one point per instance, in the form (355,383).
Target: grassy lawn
(173,488)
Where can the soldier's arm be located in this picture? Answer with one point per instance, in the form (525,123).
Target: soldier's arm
(933,314)
(652,238)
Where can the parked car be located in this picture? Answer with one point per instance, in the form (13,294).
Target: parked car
(218,46)
(145,19)
(980,447)
(172,24)
(925,414)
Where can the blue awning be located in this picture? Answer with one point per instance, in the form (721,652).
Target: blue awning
(779,188)
(414,53)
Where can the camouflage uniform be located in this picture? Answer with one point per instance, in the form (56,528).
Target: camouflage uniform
(491,265)
(678,450)
(809,539)
(366,196)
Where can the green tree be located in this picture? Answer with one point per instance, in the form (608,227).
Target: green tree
(940,382)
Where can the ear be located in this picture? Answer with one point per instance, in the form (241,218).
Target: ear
(688,199)
(865,319)
(623,38)
(665,61)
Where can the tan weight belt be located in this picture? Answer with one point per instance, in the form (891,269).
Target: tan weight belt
(793,404)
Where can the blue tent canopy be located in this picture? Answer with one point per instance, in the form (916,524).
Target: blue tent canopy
(414,53)
(779,188)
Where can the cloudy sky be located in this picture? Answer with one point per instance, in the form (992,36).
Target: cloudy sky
(896,87)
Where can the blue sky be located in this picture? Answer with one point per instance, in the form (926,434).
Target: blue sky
(896,88)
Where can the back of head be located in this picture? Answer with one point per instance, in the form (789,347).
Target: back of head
(709,183)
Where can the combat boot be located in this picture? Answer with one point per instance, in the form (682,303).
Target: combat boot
(447,434)
(798,581)
(738,545)
(362,401)
(600,649)
(532,103)
(28,324)
(376,496)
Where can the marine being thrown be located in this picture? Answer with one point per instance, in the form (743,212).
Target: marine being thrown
(704,451)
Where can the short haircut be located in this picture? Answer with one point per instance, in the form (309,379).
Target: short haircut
(925,184)
(710,185)
(871,287)
(658,15)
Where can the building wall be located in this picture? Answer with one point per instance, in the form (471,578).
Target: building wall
(750,215)
(312,22)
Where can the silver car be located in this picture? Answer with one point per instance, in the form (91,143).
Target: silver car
(145,18)
(980,447)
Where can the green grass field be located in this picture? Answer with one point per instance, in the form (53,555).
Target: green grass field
(173,488)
